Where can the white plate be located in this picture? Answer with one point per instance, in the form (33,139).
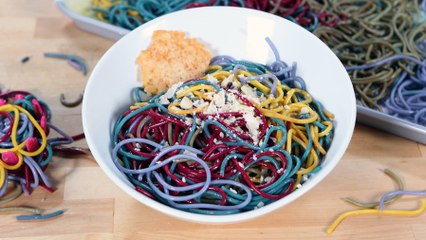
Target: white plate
(237,32)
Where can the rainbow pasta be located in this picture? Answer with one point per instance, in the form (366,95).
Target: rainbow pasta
(26,149)
(240,137)
(130,14)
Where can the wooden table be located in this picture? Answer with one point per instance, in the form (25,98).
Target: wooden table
(97,209)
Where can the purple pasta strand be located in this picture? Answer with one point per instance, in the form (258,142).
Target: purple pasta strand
(384,61)
(407,98)
(199,188)
(219,207)
(3,188)
(399,192)
(221,60)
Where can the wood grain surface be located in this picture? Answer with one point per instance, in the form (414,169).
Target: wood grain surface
(97,209)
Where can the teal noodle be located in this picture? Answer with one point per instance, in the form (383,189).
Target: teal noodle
(26,103)
(49,154)
(241,142)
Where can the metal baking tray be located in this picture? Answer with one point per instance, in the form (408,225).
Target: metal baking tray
(367,116)
(391,124)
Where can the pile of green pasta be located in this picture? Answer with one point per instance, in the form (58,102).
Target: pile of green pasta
(372,31)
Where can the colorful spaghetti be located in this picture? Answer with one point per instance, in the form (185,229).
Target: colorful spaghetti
(25,149)
(130,14)
(239,138)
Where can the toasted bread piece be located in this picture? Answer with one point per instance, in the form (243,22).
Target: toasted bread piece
(171,58)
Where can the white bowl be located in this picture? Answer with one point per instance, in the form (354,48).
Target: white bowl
(237,32)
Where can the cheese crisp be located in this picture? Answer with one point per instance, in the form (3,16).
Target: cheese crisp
(171,58)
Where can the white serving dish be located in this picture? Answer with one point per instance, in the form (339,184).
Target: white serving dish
(226,30)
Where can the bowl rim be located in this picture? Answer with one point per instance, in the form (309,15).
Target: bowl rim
(196,217)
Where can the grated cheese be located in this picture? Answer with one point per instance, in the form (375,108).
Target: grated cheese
(304,110)
(189,121)
(252,124)
(164,99)
(186,103)
(250,93)
(212,79)
(241,164)
(186,152)
(268,179)
(229,79)
(223,101)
